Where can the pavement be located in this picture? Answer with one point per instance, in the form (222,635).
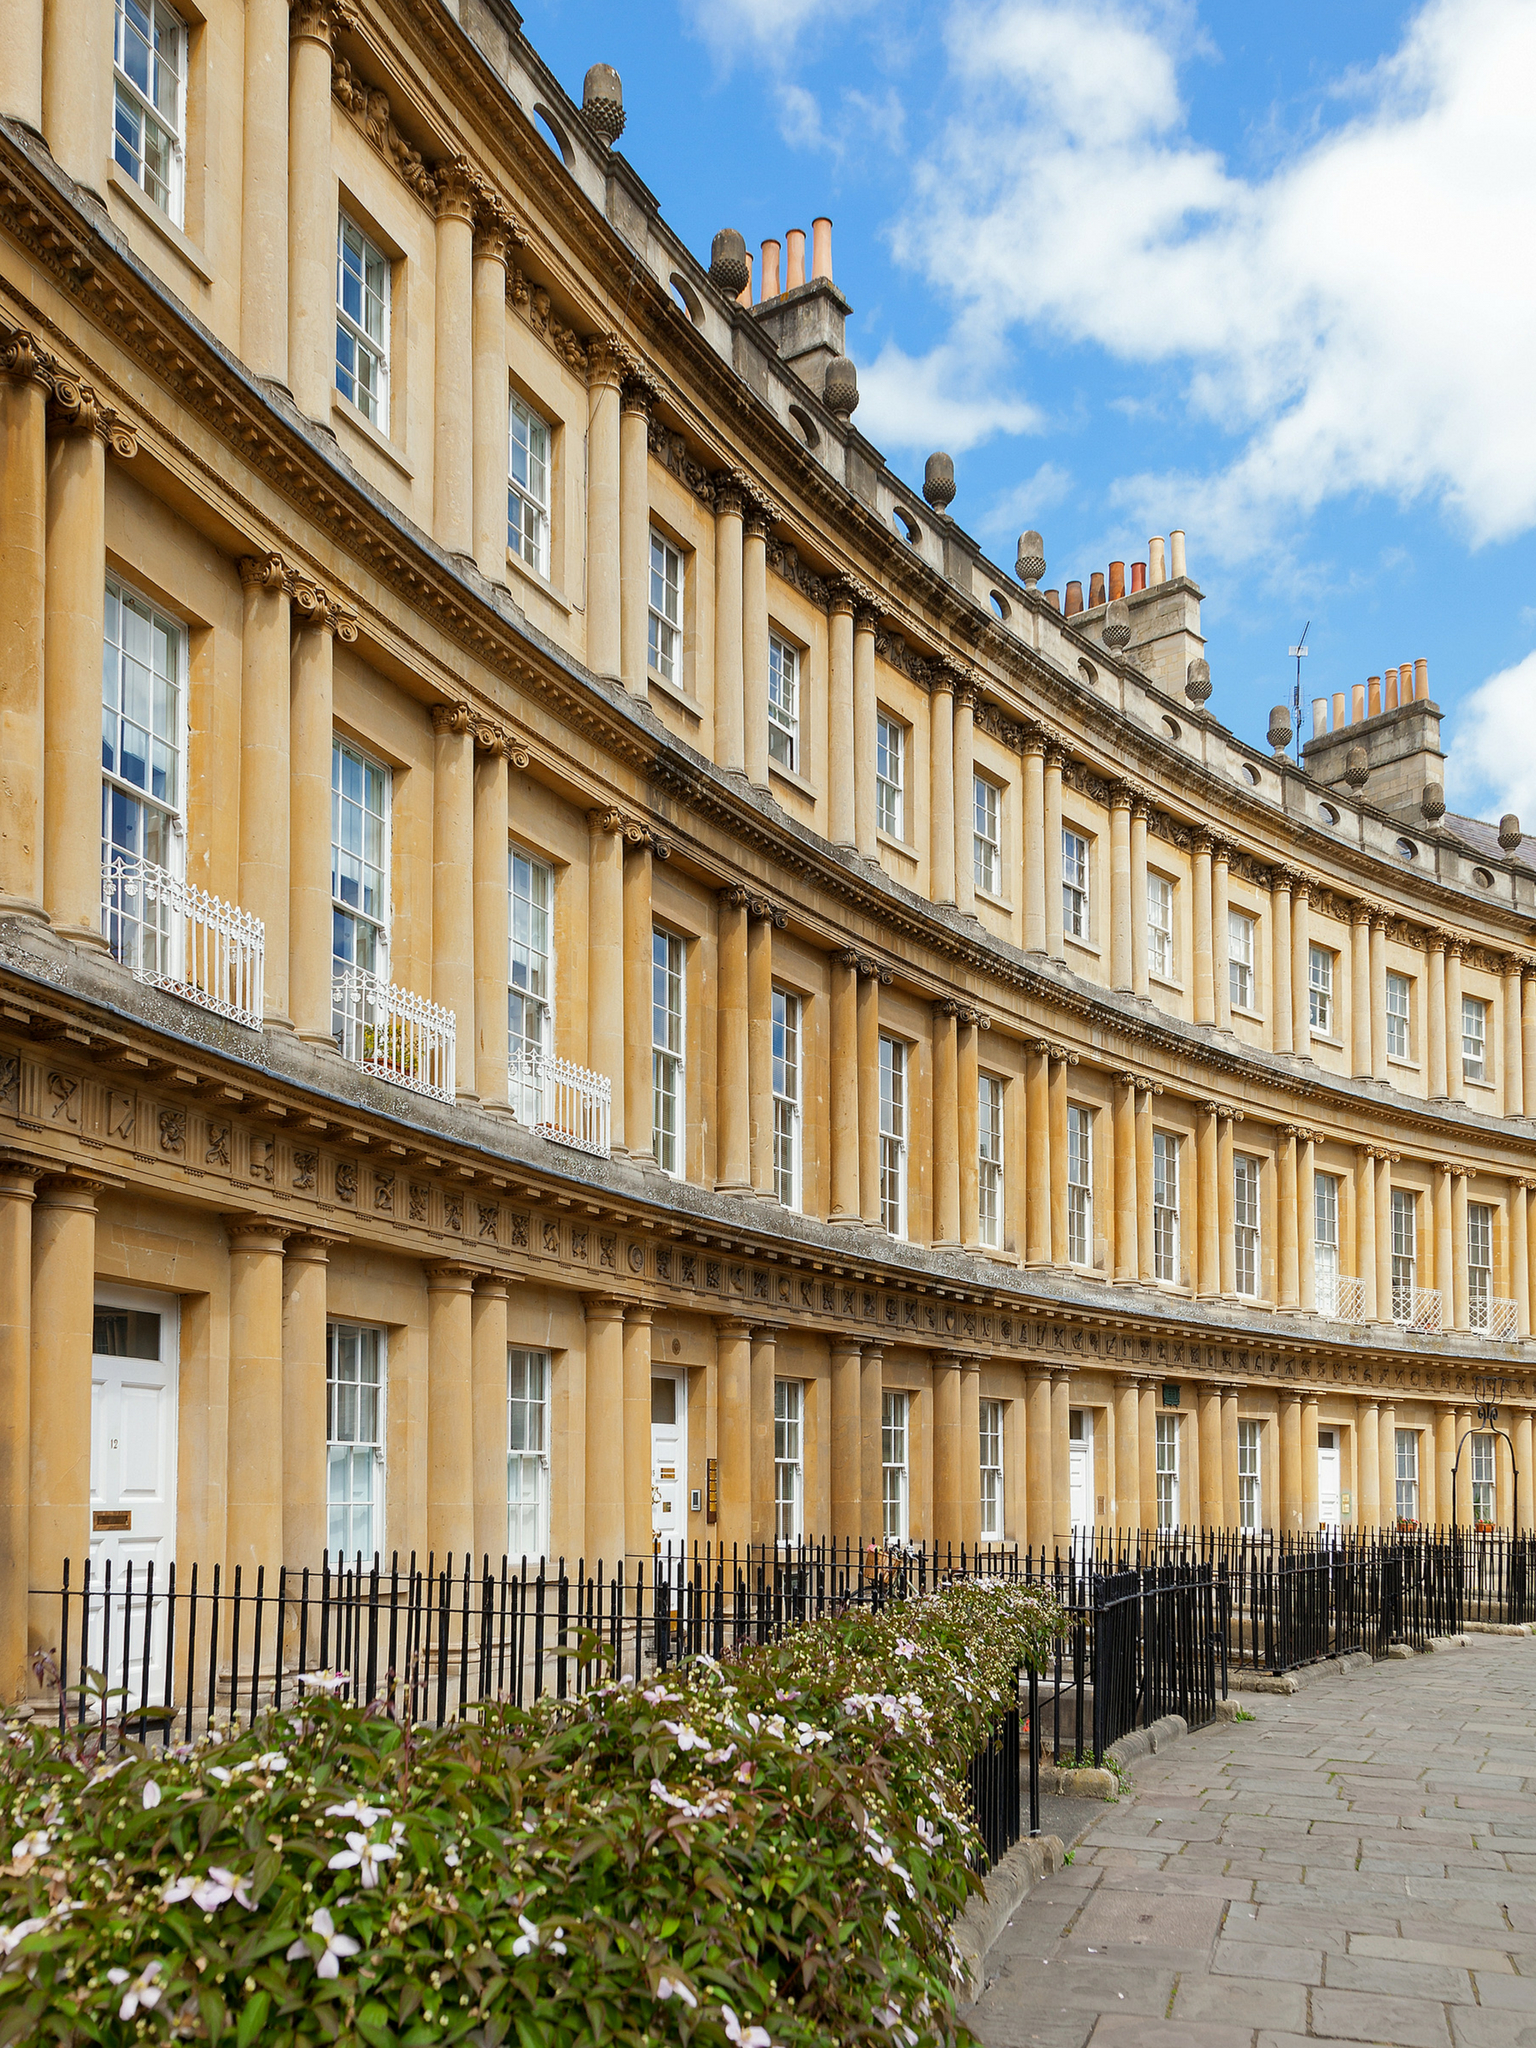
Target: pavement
(1357,1863)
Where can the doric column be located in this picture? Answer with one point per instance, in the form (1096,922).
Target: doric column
(1306,1220)
(864,729)
(1301,969)
(1033,841)
(1205,986)
(605,1530)
(1365,1229)
(605,374)
(1140,812)
(1207,1202)
(312,206)
(763,920)
(1039,1513)
(732,1097)
(605,957)
(635,532)
(1120,886)
(1059,1162)
(320,621)
(1221,980)
(1442,1444)
(869,1091)
(256,1376)
(1379,994)
(754,637)
(1128,1506)
(946,1130)
(1288,1218)
(1145,1247)
(1360,989)
(1291,1517)
(491,923)
(970,1451)
(847,1446)
(453,359)
(1434,1016)
(1309,1473)
(453,873)
(265,641)
(969,1089)
(1460,1302)
(1525,1482)
(1146,1410)
(1383,1167)
(1514,1064)
(1463,1473)
(488,455)
(77,88)
(871,1388)
(82,429)
(264,193)
(18,1178)
(301,1413)
(1208,1409)
(1368,1438)
(730,702)
(1061,1457)
(638,1102)
(1280,960)
(1528,1039)
(26,379)
(1386,1425)
(1127,1261)
(1037,1153)
(1231,1492)
(844,1062)
(965,800)
(1226,1200)
(942,783)
(1055,941)
(639,1516)
(762,1518)
(21,86)
(843,767)
(1444,1236)
(451,1414)
(1455,1071)
(1520,1254)
(488,1406)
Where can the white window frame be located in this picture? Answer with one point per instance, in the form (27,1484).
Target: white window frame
(166,46)
(1247,1243)
(528,495)
(1320,990)
(356,1445)
(1166,1452)
(895,1464)
(1160,959)
(1480,1265)
(890,776)
(146,697)
(664,633)
(528,1462)
(374,926)
(991,1451)
(789,1460)
(1485,1485)
(1079,1185)
(1404,1214)
(1399,1015)
(893,1135)
(1474,1038)
(1405,1462)
(1241,986)
(669,1074)
(989,1160)
(1165,1207)
(1250,1480)
(371,399)
(1076,872)
(987,836)
(530,979)
(783,705)
(788,1094)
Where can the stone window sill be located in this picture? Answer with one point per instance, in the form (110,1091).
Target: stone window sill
(343,409)
(1082,945)
(1162,981)
(679,697)
(994,902)
(778,773)
(162,224)
(540,583)
(896,845)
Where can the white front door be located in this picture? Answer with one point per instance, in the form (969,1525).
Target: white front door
(669,1458)
(1080,1441)
(1328,1478)
(135,1357)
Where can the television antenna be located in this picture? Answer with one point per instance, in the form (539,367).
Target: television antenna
(1300,652)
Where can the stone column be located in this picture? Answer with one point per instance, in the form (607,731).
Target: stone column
(1379,994)
(1464,1471)
(311,219)
(1365,1229)
(25,382)
(969,1088)
(264,769)
(1455,1071)
(1444,1237)
(1288,1217)
(21,78)
(1226,1200)
(1231,1490)
(1525,1499)
(1128,1502)
(1145,1248)
(1360,989)
(942,785)
(764,1360)
(1291,1519)
(1387,1463)
(844,1063)
(488,1407)
(1061,1457)
(730,699)
(73,626)
(1301,969)
(1443,1444)
(638,1103)
(871,1388)
(964,807)
(320,622)
(1384,1235)
(1208,1405)
(1514,1066)
(1058,1117)
(1039,1513)
(1034,843)
(639,1515)
(76,87)
(1207,1202)
(1306,1221)
(256,1386)
(970,1453)
(635,533)
(947,1451)
(1528,1039)
(1200,890)
(1434,1016)
(1127,1260)
(946,1130)
(1221,979)
(1460,1292)
(1309,1474)
(489,450)
(754,633)
(453,360)
(847,1446)
(451,1414)
(864,719)
(732,1097)
(18,1179)
(605,957)
(762,922)
(843,767)
(604,376)
(1368,1437)
(733,1354)
(1280,961)
(1055,942)
(302,1406)
(453,874)
(264,193)
(869,1091)
(1140,812)
(1520,1254)
(605,1462)
(1120,887)
(491,920)
(1037,1153)
(1146,1404)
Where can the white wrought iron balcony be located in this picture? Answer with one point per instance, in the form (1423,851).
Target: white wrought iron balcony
(1493,1316)
(1339,1295)
(394,1035)
(177,937)
(565,1103)
(1418,1308)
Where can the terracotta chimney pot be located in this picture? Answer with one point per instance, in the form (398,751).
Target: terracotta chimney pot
(1095,589)
(1074,600)
(1176,564)
(1421,678)
(1357,702)
(1319,717)
(1373,694)
(1340,717)
(770,270)
(1138,577)
(1053,599)
(1389,694)
(1157,562)
(795,275)
(821,248)
(744,296)
(1117,579)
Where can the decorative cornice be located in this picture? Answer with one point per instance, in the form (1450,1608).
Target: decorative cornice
(369,108)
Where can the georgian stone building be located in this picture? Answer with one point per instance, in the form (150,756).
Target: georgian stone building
(576,963)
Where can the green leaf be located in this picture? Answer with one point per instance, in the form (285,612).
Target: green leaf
(252,2019)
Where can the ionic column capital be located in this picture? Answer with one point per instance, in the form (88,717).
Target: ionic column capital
(24,360)
(77,408)
(317,608)
(258,1233)
(762,911)
(268,572)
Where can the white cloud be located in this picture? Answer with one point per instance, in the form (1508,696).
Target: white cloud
(938,400)
(1357,318)
(1018,509)
(800,117)
(1493,766)
(765,29)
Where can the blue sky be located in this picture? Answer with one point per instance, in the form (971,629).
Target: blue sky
(1260,272)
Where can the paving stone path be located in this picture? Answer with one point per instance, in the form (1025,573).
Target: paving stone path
(1358,1863)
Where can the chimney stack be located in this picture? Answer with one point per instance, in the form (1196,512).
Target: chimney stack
(796,246)
(770,287)
(821,248)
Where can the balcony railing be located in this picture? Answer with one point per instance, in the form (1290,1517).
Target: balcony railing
(565,1103)
(1339,1295)
(176,936)
(394,1035)
(1493,1316)
(1418,1308)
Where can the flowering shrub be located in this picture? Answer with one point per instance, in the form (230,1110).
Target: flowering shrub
(764,1853)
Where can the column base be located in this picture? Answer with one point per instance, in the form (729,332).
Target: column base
(467,1096)
(734,1187)
(23,906)
(845,1221)
(946,1244)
